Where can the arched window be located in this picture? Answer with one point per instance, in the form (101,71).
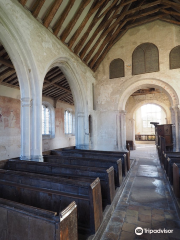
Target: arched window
(48,120)
(45,120)
(69,122)
(145,59)
(116,68)
(174,58)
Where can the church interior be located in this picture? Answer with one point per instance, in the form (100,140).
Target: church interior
(89,119)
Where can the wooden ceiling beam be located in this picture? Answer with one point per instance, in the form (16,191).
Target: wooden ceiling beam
(6,62)
(107,30)
(171,4)
(62,18)
(74,19)
(37,7)
(52,12)
(92,10)
(117,36)
(170,12)
(143,14)
(93,23)
(6,73)
(23,2)
(60,97)
(56,79)
(170,20)
(105,23)
(134,10)
(60,87)
(10,85)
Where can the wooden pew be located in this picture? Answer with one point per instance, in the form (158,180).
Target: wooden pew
(81,173)
(176,179)
(112,153)
(20,221)
(170,162)
(90,162)
(170,155)
(93,155)
(89,201)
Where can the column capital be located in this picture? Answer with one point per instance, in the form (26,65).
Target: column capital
(80,114)
(26,102)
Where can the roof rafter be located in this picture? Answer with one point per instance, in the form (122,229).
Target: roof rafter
(52,12)
(73,21)
(37,7)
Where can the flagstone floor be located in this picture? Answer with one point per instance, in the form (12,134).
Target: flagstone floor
(146,202)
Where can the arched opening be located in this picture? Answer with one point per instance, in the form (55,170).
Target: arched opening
(57,131)
(10,108)
(144,92)
(144,130)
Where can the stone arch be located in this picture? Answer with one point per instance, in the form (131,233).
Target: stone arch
(22,58)
(165,87)
(78,91)
(131,117)
(162,105)
(130,89)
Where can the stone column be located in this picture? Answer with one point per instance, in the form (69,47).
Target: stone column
(25,128)
(36,130)
(80,138)
(133,133)
(173,128)
(121,125)
(176,111)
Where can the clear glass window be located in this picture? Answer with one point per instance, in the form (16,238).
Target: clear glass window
(45,120)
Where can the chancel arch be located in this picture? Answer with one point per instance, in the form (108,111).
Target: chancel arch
(143,84)
(145,59)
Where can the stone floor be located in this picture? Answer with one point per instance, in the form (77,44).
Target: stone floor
(146,202)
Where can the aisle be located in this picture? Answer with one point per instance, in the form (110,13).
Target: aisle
(146,202)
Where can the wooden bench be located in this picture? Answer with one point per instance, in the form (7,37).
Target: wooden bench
(111,153)
(176,179)
(20,221)
(93,155)
(89,202)
(90,162)
(81,173)
(170,162)
(169,154)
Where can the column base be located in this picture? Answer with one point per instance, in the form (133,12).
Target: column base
(82,146)
(37,158)
(25,158)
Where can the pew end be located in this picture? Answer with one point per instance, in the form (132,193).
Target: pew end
(176,178)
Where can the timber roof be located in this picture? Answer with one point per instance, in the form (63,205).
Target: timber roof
(55,83)
(89,28)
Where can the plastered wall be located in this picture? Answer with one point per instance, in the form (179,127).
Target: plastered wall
(110,93)
(10,131)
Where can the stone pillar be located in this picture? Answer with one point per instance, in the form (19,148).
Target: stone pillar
(133,133)
(36,130)
(121,125)
(176,111)
(25,129)
(173,128)
(80,138)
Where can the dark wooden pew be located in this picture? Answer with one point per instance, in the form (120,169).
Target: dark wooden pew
(112,153)
(93,155)
(20,221)
(176,179)
(170,155)
(80,173)
(100,163)
(88,202)
(170,162)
